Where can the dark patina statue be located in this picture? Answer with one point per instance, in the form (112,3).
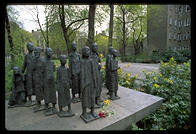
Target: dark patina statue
(74,66)
(114,76)
(17,97)
(88,85)
(49,84)
(27,65)
(38,79)
(63,86)
(97,64)
(108,70)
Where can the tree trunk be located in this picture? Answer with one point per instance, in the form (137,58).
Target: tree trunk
(123,41)
(111,24)
(65,30)
(10,40)
(137,48)
(91,20)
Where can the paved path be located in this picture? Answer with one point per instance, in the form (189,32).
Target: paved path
(137,68)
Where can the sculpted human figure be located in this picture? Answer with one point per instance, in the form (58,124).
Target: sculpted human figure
(38,71)
(88,86)
(114,76)
(49,84)
(108,70)
(17,97)
(63,86)
(97,63)
(74,66)
(27,65)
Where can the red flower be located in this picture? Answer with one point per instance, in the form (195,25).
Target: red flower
(101,114)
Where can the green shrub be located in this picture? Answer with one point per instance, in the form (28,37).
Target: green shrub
(174,85)
(180,56)
(9,72)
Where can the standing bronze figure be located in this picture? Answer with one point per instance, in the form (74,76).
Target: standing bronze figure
(63,86)
(88,86)
(97,64)
(74,66)
(49,84)
(38,78)
(114,76)
(27,65)
(108,69)
(17,97)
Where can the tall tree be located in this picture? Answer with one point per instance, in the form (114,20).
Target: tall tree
(75,18)
(10,39)
(126,17)
(111,24)
(91,22)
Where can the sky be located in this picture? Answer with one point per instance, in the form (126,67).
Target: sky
(26,17)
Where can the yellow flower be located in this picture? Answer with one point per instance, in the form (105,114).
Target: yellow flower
(144,70)
(136,75)
(165,79)
(160,75)
(118,84)
(172,58)
(101,55)
(184,112)
(129,74)
(156,85)
(155,78)
(161,128)
(170,81)
(107,102)
(149,73)
(128,79)
(103,67)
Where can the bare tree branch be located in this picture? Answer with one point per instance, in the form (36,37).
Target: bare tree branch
(76,21)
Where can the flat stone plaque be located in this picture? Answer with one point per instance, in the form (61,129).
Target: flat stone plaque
(130,108)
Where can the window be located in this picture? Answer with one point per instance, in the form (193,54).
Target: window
(170,20)
(180,9)
(188,8)
(176,22)
(174,36)
(184,36)
(179,23)
(178,37)
(188,22)
(170,36)
(185,22)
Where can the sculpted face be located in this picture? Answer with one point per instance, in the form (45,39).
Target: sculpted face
(16,70)
(110,49)
(30,47)
(62,59)
(94,47)
(74,46)
(49,52)
(86,51)
(115,53)
(37,51)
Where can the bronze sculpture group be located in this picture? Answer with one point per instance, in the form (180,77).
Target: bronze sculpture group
(83,76)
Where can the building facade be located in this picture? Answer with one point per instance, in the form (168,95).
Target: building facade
(168,26)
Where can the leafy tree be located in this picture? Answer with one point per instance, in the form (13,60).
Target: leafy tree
(127,19)
(75,17)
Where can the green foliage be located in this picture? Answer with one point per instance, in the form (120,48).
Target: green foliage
(180,56)
(140,58)
(174,85)
(9,72)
